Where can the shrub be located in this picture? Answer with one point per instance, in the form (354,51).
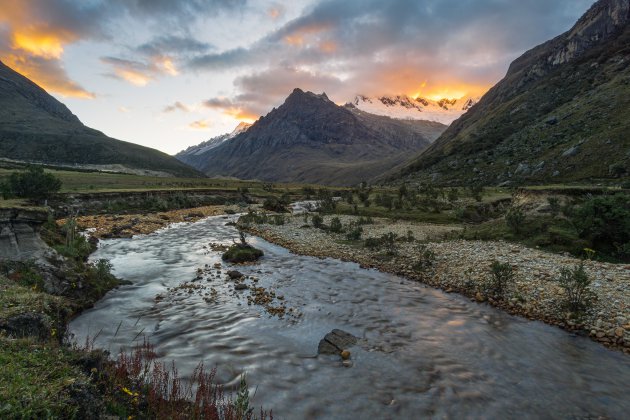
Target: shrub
(354,234)
(424,259)
(242,252)
(239,253)
(317,221)
(476,192)
(278,220)
(34,184)
(387,241)
(274,204)
(365,220)
(501,278)
(576,284)
(554,205)
(515,219)
(335,225)
(605,223)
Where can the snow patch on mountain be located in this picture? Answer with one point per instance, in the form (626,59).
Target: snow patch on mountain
(215,141)
(444,111)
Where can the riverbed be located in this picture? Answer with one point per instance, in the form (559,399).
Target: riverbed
(422,353)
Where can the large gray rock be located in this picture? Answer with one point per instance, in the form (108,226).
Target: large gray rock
(335,342)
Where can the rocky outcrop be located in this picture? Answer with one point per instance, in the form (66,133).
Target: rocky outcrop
(335,342)
(19,234)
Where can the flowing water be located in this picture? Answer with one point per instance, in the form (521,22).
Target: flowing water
(422,354)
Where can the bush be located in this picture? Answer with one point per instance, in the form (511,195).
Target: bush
(501,278)
(239,253)
(355,233)
(387,241)
(515,219)
(274,204)
(335,225)
(34,184)
(317,221)
(605,222)
(576,285)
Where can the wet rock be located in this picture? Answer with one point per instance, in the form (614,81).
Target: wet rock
(335,342)
(233,274)
(241,286)
(347,363)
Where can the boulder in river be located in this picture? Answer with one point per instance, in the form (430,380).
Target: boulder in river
(336,342)
(233,274)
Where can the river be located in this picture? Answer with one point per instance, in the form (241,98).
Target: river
(422,354)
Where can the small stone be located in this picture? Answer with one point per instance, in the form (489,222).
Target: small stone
(233,274)
(241,286)
(345,355)
(619,332)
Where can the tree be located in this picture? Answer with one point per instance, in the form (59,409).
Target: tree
(34,184)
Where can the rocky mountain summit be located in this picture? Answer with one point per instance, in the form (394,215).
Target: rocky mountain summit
(36,127)
(311,139)
(562,113)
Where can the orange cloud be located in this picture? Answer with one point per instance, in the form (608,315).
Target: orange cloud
(200,125)
(300,36)
(49,74)
(133,76)
(328,47)
(35,49)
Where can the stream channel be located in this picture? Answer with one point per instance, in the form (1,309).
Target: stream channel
(422,353)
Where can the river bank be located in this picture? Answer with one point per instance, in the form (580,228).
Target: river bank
(464,267)
(126,225)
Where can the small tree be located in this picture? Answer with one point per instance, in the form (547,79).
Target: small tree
(577,291)
(502,276)
(34,184)
(515,219)
(335,225)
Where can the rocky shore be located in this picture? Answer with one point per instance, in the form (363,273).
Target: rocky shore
(464,267)
(127,225)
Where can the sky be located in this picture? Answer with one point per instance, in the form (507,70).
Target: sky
(169,74)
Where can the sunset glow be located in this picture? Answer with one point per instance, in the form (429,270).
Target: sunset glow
(40,45)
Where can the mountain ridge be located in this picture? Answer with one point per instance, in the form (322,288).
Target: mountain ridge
(311,139)
(35,127)
(560,113)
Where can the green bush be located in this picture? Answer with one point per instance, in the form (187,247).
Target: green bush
(578,296)
(515,218)
(317,221)
(274,204)
(501,278)
(335,225)
(239,253)
(34,184)
(355,232)
(605,222)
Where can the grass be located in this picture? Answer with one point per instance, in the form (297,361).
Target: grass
(35,378)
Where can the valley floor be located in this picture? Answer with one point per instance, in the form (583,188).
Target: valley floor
(464,267)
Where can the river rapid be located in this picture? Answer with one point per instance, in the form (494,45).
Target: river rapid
(422,353)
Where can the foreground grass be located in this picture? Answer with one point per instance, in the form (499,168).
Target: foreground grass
(36,379)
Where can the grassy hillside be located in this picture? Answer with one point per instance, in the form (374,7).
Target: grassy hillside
(569,125)
(36,127)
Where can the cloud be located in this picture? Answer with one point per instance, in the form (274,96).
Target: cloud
(177,106)
(200,125)
(140,73)
(35,33)
(428,47)
(259,90)
(33,36)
